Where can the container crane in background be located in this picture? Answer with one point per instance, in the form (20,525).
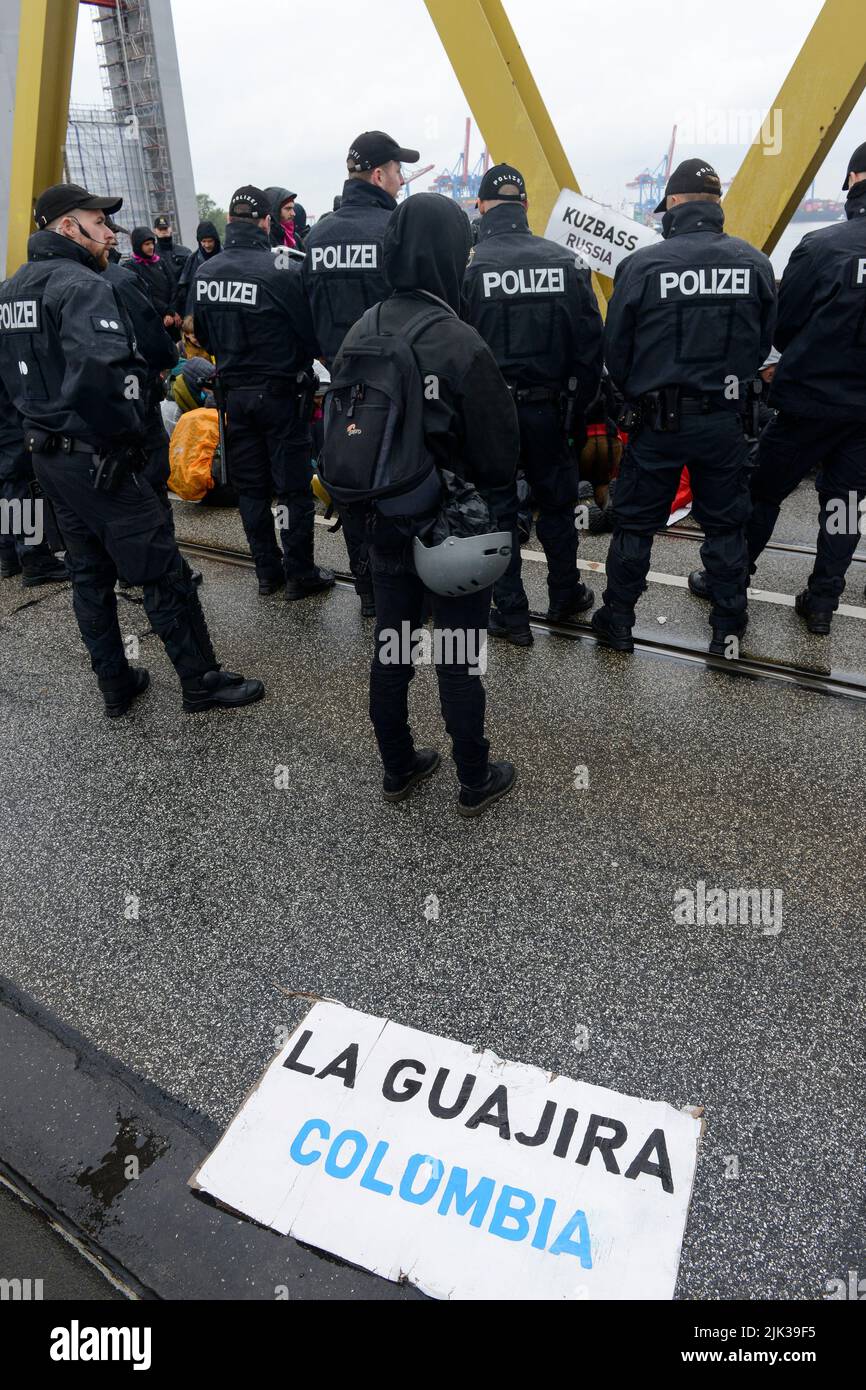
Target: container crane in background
(462,182)
(410,178)
(650,184)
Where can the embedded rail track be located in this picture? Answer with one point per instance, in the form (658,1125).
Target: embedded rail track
(690,533)
(842,684)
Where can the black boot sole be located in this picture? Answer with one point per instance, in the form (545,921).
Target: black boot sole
(293,594)
(33,581)
(202,706)
(392,797)
(470,812)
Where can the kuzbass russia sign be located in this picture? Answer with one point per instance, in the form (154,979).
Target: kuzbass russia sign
(597,235)
(419,1157)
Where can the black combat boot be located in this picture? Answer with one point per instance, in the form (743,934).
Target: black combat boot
(50,571)
(561,611)
(519,635)
(118,692)
(219,690)
(368,603)
(474,801)
(309,584)
(816,620)
(699,584)
(427,760)
(721,636)
(9,565)
(610,632)
(272,586)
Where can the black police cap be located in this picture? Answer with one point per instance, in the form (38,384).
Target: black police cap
(248,201)
(497,177)
(374,148)
(61,198)
(692,176)
(856,164)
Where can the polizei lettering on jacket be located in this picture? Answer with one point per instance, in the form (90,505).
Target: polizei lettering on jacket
(708,280)
(20,315)
(526,280)
(362,257)
(227,291)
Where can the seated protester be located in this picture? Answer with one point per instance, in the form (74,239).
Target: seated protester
(189,384)
(156,275)
(469,431)
(189,342)
(208,245)
(282,209)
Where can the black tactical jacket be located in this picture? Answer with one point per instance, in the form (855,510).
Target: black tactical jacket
(342,271)
(67,350)
(533,305)
(695,311)
(250,311)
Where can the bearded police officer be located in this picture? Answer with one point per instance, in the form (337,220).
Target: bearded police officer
(342,275)
(534,306)
(252,315)
(68,362)
(689,324)
(819,391)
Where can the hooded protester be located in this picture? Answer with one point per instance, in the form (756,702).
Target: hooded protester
(470,429)
(208,245)
(156,276)
(282,209)
(302,227)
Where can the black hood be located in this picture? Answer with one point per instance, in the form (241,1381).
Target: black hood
(139,235)
(276,197)
(426,247)
(47,246)
(300,217)
(208,229)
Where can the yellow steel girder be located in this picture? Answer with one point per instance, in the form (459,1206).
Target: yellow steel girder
(812,106)
(507,105)
(46,46)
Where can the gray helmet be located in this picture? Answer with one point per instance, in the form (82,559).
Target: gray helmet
(462,564)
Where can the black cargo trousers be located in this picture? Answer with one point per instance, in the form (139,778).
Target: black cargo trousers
(789,449)
(33,555)
(125,532)
(269,454)
(552,473)
(713,448)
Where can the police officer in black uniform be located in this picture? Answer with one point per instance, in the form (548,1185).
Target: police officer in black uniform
(68,362)
(342,275)
(534,306)
(24,547)
(689,324)
(819,391)
(252,315)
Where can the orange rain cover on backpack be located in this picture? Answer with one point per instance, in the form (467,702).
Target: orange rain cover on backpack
(194,439)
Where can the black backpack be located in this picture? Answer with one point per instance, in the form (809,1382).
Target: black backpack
(375,447)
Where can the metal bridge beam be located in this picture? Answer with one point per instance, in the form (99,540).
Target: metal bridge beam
(46,45)
(814,102)
(506,103)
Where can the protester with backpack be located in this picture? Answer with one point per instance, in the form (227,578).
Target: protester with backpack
(421,437)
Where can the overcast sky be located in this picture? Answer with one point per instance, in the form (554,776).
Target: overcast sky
(276,89)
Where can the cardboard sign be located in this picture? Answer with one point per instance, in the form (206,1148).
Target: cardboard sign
(420,1158)
(597,235)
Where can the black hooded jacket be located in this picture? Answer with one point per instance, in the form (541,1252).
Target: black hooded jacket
(250,312)
(343,266)
(533,305)
(694,311)
(152,341)
(470,421)
(183,296)
(67,349)
(821,332)
(276,197)
(155,274)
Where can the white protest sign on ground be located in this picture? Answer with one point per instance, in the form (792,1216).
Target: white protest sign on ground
(420,1158)
(597,235)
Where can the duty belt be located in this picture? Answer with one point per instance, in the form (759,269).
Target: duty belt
(534,394)
(43,442)
(663,409)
